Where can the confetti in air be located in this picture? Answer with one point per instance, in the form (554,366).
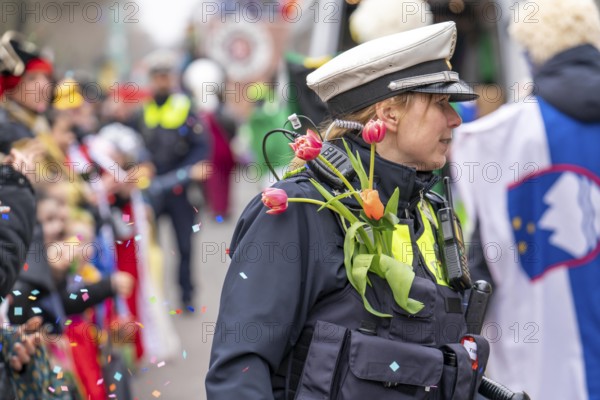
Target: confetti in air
(196,228)
(156,393)
(118,376)
(219,219)
(243,275)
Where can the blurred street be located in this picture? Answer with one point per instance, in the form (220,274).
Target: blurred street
(183,378)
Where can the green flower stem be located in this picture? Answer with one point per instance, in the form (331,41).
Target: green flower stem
(372,166)
(342,177)
(311,201)
(344,212)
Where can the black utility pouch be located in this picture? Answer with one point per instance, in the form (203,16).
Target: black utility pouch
(458,373)
(350,365)
(463,370)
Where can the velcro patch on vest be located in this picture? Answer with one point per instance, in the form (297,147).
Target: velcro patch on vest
(453,305)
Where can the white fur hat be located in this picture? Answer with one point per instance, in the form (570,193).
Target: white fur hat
(548,27)
(377,18)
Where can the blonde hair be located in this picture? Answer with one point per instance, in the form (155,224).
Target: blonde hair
(361,116)
(548,27)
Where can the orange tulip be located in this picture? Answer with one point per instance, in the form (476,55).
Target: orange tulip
(371,204)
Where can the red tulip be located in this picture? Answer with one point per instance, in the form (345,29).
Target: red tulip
(374,131)
(371,204)
(307,147)
(275,199)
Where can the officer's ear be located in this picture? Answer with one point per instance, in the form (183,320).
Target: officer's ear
(389,114)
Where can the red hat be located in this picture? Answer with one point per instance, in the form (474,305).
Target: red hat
(9,82)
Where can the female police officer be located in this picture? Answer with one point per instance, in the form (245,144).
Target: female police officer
(290,324)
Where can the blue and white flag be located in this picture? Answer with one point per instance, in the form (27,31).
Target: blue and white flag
(530,175)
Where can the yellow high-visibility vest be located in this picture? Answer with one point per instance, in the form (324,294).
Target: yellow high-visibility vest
(402,244)
(171,115)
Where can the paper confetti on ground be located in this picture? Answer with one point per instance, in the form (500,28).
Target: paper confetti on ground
(26,266)
(138,238)
(394,366)
(100,381)
(36,310)
(156,393)
(35,292)
(243,275)
(57,369)
(118,376)
(139,324)
(184,354)
(160,364)
(5,216)
(50,388)
(203,309)
(195,209)
(32,298)
(18,311)
(68,322)
(64,388)
(85,296)
(73,296)
(245,369)
(16,292)
(190,308)
(219,219)
(78,278)
(125,217)
(196,228)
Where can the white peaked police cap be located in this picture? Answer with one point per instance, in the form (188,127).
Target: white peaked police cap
(413,61)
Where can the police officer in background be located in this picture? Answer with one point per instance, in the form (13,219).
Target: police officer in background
(176,141)
(290,324)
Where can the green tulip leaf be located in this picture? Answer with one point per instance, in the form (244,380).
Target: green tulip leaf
(358,167)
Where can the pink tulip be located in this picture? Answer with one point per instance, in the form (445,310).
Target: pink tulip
(275,199)
(374,131)
(307,147)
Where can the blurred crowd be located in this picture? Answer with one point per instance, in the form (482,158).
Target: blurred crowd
(103,169)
